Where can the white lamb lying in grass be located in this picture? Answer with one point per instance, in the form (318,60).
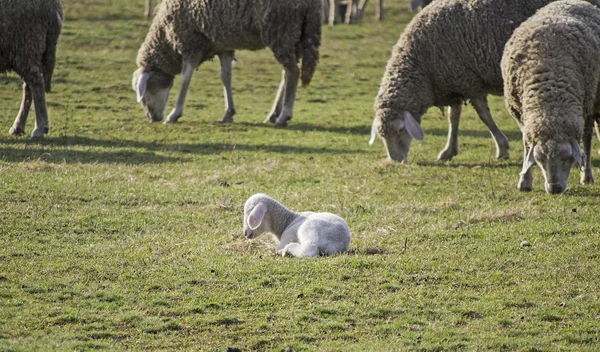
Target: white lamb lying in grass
(305,234)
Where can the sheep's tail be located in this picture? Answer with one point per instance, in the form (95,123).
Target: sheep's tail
(311,41)
(49,56)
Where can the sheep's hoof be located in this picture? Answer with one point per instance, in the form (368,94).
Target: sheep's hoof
(173,117)
(38,133)
(282,121)
(16,131)
(503,156)
(586,179)
(271,118)
(524,188)
(228,117)
(447,154)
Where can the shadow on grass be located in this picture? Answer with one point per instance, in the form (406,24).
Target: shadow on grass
(358,130)
(38,153)
(56,149)
(513,136)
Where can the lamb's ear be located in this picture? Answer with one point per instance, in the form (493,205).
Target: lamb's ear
(412,127)
(373,132)
(529,161)
(256,216)
(141,86)
(577,153)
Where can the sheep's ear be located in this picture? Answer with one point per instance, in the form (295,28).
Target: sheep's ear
(256,216)
(529,161)
(577,153)
(412,127)
(373,132)
(141,86)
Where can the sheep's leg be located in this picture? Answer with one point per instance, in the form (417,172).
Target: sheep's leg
(525,178)
(278,104)
(334,12)
(148,11)
(586,169)
(186,77)
(291,85)
(226,59)
(379,13)
(35,82)
(483,110)
(597,128)
(451,148)
(18,127)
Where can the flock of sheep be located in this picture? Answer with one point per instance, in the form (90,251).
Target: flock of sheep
(541,54)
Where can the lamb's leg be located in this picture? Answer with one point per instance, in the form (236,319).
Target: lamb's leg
(186,77)
(451,148)
(18,127)
(291,85)
(300,250)
(586,169)
(226,59)
(483,110)
(278,104)
(525,178)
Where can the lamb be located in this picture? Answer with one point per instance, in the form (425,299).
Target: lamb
(305,234)
(29,31)
(552,89)
(448,54)
(185,33)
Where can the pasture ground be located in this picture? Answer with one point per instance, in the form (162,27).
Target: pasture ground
(120,234)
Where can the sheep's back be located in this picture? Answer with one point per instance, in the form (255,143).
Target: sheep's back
(251,24)
(24,27)
(551,66)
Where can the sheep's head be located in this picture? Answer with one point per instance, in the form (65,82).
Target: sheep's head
(396,133)
(254,216)
(556,160)
(152,88)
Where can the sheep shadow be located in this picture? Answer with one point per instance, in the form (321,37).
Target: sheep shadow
(513,136)
(308,127)
(68,149)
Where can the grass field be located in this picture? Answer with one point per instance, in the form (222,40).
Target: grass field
(120,234)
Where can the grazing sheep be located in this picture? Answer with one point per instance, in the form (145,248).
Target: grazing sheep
(186,33)
(29,31)
(449,53)
(305,234)
(552,88)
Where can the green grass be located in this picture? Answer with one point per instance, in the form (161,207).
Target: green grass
(120,234)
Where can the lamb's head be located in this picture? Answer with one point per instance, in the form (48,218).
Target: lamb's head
(152,88)
(396,132)
(555,158)
(255,217)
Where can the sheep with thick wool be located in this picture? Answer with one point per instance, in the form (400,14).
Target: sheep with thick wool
(552,88)
(29,31)
(185,33)
(449,53)
(305,234)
